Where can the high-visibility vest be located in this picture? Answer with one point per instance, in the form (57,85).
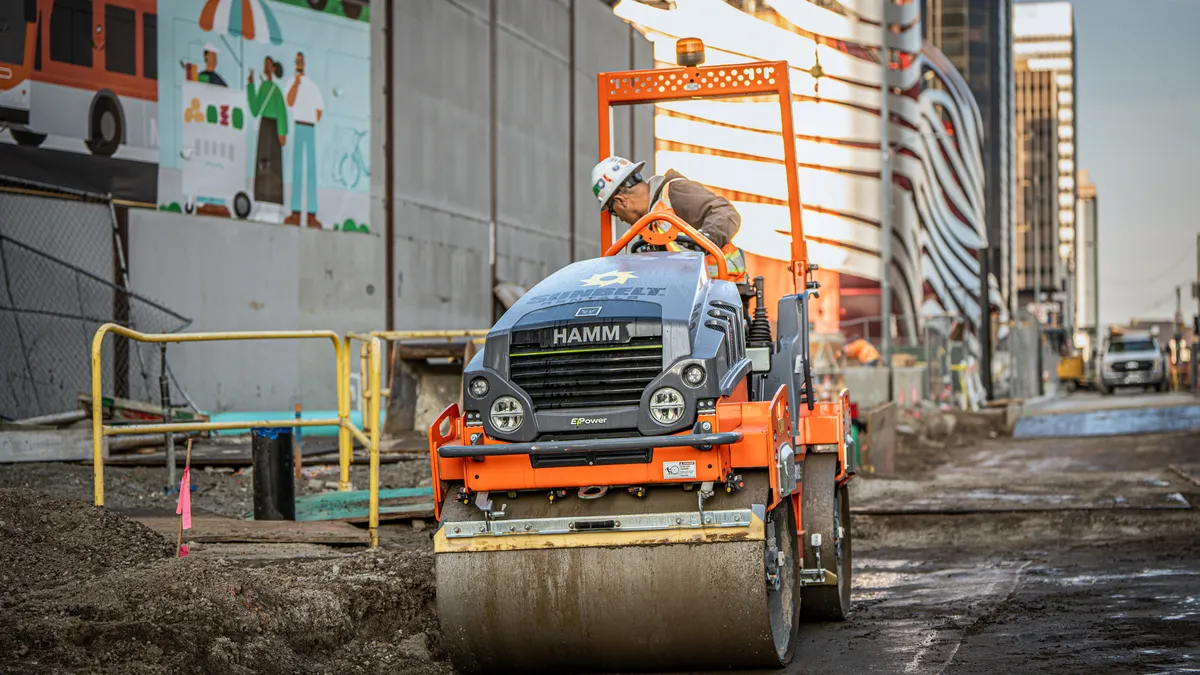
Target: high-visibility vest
(735,260)
(862,350)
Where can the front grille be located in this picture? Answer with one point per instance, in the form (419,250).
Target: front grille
(590,459)
(1130,366)
(558,379)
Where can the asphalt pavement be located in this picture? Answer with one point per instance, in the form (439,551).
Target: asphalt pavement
(1057,555)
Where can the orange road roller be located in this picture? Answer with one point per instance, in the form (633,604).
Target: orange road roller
(639,476)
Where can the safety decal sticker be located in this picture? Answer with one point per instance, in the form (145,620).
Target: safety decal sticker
(608,278)
(679,470)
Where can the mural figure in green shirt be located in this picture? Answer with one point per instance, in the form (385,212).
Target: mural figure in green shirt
(267,104)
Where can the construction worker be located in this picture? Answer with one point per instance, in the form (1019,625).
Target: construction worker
(618,184)
(862,351)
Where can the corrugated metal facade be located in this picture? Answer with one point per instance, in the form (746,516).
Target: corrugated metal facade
(442,151)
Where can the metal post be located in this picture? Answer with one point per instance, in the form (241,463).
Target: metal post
(297,449)
(571,192)
(373,446)
(985,321)
(885,191)
(164,389)
(1037,246)
(1196,325)
(493,130)
(389,163)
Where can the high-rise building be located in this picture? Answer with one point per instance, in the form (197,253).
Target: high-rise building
(1044,50)
(1087,278)
(976,35)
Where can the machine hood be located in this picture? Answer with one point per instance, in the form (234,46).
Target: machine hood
(675,282)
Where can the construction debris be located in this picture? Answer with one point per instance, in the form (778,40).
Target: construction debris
(46,445)
(88,590)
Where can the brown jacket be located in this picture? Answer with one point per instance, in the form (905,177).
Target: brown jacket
(714,216)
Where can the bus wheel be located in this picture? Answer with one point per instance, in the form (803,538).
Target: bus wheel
(241,205)
(107,126)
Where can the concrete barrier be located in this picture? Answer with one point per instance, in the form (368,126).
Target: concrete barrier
(868,386)
(907,381)
(879,442)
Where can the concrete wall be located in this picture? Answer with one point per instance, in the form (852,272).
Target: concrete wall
(441,152)
(869,386)
(231,275)
(238,275)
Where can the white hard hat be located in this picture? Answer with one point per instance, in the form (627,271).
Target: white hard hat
(209,47)
(609,174)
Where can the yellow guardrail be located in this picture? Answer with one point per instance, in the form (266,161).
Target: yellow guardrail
(398,335)
(369,354)
(346,429)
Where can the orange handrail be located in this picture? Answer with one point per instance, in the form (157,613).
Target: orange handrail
(661,238)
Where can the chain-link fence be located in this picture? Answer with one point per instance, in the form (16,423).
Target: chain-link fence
(62,275)
(1023,359)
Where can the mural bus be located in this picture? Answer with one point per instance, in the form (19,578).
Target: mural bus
(17,39)
(94,71)
(255,109)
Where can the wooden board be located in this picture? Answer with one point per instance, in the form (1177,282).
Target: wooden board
(47,445)
(219,529)
(119,410)
(352,505)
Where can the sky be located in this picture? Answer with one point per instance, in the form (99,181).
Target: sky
(1138,134)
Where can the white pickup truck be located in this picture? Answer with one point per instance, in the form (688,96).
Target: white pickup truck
(1133,359)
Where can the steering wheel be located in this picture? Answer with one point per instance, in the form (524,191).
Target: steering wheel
(678,228)
(640,245)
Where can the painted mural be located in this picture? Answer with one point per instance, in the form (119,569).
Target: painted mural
(253,109)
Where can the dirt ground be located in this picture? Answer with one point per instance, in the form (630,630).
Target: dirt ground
(983,554)
(88,590)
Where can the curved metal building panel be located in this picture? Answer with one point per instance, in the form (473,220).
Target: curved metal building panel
(936,135)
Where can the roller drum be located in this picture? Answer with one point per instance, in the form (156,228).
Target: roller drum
(661,604)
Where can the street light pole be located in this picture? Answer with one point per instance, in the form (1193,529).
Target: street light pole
(1037,244)
(885,191)
(1196,325)
(985,321)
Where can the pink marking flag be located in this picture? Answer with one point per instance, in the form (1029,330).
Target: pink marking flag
(184,508)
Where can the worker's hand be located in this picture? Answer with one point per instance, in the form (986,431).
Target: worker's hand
(282,140)
(250,79)
(319,111)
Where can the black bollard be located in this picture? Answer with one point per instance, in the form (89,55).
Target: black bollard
(274,485)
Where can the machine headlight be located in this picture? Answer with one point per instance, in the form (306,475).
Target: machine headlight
(693,375)
(507,414)
(479,387)
(666,406)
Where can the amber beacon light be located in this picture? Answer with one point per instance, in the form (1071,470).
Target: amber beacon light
(689,52)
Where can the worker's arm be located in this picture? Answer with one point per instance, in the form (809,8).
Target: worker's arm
(714,216)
